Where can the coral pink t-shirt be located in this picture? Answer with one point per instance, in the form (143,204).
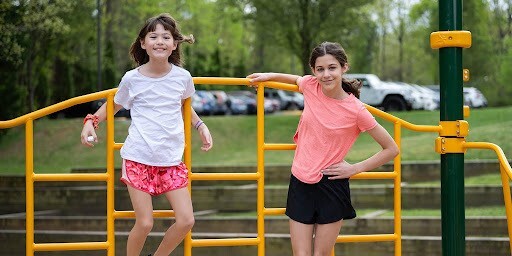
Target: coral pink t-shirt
(326,131)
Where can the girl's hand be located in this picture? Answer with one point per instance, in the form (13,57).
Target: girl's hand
(341,170)
(206,137)
(88,130)
(259,77)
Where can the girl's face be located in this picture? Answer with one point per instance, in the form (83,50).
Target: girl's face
(159,44)
(328,71)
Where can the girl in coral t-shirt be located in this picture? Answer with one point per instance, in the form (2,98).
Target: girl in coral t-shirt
(333,117)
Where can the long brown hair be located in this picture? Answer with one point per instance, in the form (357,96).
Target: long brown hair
(352,86)
(140,56)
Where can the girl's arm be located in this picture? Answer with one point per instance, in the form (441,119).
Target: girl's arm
(88,129)
(203,130)
(389,151)
(277,77)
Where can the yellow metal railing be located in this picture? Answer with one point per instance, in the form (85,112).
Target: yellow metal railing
(443,129)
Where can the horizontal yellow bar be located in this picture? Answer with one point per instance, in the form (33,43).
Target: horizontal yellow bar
(131,214)
(374,175)
(224,176)
(224,242)
(243,81)
(274,211)
(71,177)
(118,146)
(366,238)
(71,246)
(275,146)
(443,39)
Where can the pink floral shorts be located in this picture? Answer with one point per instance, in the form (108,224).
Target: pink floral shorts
(154,180)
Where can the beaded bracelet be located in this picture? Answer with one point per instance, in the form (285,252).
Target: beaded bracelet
(93,118)
(199,123)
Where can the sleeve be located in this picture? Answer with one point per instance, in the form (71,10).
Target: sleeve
(365,120)
(304,82)
(122,96)
(189,88)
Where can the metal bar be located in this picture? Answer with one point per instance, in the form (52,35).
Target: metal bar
(260,141)
(225,242)
(452,164)
(29,186)
(225,176)
(111,237)
(71,246)
(397,191)
(505,180)
(131,214)
(71,177)
(367,238)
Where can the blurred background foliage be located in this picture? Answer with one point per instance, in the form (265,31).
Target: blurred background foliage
(52,50)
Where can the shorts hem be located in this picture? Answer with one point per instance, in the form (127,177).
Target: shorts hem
(128,183)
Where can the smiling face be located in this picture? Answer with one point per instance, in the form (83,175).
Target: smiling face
(159,44)
(328,70)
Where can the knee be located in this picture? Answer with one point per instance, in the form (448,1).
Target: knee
(322,253)
(186,223)
(144,225)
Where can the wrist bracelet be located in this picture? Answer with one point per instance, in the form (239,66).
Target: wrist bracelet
(94,119)
(199,123)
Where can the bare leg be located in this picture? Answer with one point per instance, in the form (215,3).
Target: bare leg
(143,208)
(184,214)
(301,237)
(325,238)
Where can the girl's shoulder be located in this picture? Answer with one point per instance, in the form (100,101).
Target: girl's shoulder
(177,70)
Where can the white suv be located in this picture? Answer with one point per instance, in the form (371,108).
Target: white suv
(387,96)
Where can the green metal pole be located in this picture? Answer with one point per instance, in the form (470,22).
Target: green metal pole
(452,164)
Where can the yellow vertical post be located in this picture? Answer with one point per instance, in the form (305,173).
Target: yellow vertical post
(29,186)
(508,203)
(398,191)
(260,201)
(110,179)
(187,119)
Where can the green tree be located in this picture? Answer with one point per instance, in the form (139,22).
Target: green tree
(301,24)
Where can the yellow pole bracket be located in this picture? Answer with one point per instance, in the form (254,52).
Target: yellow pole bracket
(465,111)
(465,75)
(443,39)
(458,128)
(450,145)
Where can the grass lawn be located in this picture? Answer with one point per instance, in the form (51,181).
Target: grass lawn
(58,150)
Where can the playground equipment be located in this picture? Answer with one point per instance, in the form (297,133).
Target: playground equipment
(451,139)
(450,144)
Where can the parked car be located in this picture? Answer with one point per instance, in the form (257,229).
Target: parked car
(197,104)
(287,99)
(382,95)
(208,102)
(221,103)
(474,98)
(237,104)
(248,98)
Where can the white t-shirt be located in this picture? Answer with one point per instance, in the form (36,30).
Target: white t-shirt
(156,134)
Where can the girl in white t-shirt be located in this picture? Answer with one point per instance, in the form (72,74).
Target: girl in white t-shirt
(154,92)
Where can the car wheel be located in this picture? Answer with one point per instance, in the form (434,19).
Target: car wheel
(394,103)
